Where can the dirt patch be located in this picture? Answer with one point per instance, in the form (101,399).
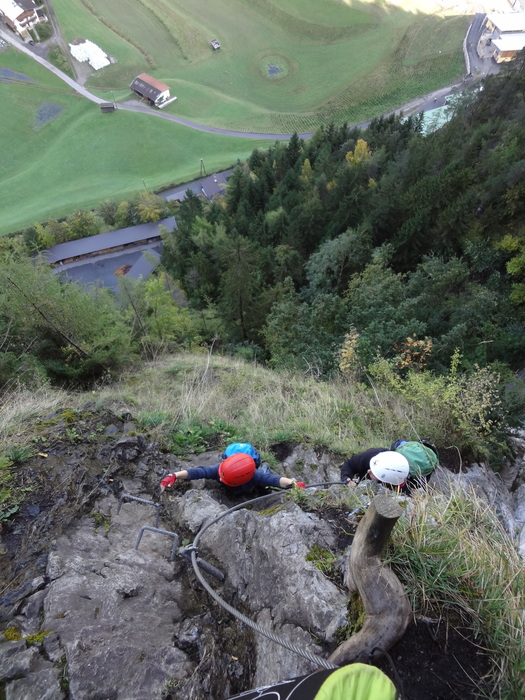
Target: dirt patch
(435,661)
(342,522)
(122,271)
(282,450)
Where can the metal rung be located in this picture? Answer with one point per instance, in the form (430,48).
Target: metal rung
(186,553)
(183,551)
(162,532)
(127,497)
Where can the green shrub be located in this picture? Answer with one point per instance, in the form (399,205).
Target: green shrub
(197,436)
(45,30)
(10,497)
(12,634)
(152,419)
(58,59)
(19,453)
(463,409)
(37,638)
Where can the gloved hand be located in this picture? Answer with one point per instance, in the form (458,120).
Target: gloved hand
(167,482)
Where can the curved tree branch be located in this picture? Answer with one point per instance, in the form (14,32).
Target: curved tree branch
(386,604)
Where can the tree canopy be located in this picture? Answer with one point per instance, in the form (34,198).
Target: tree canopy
(392,232)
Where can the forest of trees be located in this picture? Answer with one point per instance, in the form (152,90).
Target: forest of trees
(383,232)
(399,244)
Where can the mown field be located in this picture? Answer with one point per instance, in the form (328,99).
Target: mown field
(283,66)
(53,165)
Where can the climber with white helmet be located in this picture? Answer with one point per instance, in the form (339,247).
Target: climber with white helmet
(379,464)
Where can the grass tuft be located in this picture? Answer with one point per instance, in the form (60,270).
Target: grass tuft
(455,559)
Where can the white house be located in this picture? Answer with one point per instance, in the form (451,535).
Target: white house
(505,33)
(508,46)
(500,23)
(19,15)
(151,89)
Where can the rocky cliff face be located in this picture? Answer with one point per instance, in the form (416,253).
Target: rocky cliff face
(97,618)
(112,621)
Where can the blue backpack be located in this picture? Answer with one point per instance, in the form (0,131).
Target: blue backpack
(244,447)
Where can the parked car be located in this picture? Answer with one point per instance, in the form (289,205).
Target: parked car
(31,42)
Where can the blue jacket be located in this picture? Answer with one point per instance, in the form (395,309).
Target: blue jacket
(258,481)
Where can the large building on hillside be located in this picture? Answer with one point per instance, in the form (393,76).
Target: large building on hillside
(501,23)
(150,89)
(517,5)
(508,47)
(505,34)
(19,15)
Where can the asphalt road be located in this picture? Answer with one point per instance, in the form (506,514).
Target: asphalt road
(29,50)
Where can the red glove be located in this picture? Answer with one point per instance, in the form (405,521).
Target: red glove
(167,482)
(300,484)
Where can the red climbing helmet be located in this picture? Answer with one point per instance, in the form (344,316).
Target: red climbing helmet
(237,469)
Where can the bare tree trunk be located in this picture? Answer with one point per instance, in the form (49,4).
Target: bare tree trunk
(386,604)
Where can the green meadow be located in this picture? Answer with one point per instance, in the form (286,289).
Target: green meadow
(283,66)
(53,165)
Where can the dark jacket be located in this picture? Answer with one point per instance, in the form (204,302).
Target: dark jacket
(359,464)
(260,480)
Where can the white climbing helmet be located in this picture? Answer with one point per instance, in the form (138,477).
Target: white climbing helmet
(390,467)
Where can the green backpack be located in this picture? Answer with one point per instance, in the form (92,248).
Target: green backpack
(422,459)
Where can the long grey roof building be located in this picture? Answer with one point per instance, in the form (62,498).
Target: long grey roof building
(104,242)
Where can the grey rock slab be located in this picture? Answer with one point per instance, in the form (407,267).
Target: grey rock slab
(44,685)
(264,557)
(519,512)
(16,659)
(123,669)
(28,618)
(52,648)
(194,508)
(485,485)
(275,662)
(307,465)
(113,608)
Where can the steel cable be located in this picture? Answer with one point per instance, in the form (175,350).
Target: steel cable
(236,613)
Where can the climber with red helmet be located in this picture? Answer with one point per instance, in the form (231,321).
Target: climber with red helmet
(238,472)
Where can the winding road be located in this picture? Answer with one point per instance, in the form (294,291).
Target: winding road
(28,49)
(423,103)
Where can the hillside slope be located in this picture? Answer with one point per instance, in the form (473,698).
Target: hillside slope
(71,577)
